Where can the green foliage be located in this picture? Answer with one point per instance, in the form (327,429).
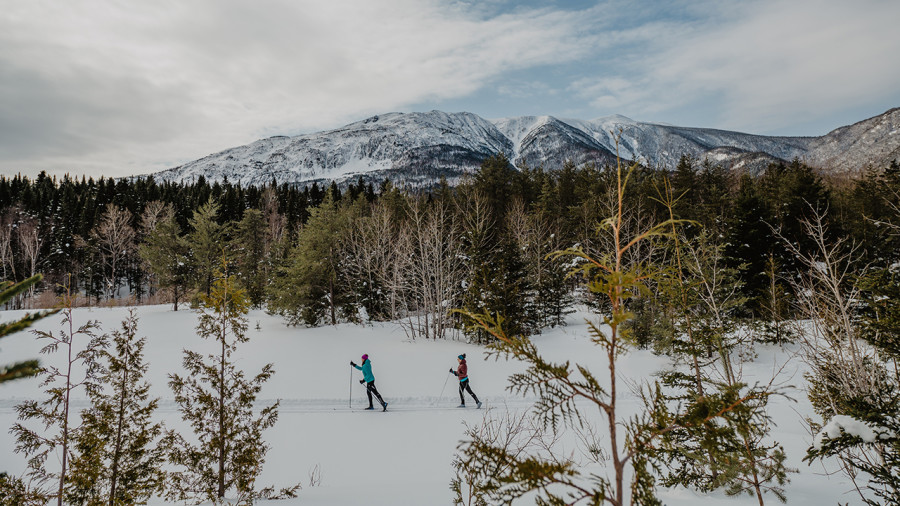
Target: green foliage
(311,286)
(117,458)
(248,249)
(227,450)
(502,476)
(8,290)
(879,325)
(877,461)
(15,492)
(167,255)
(205,241)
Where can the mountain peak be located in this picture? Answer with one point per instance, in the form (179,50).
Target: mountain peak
(419,148)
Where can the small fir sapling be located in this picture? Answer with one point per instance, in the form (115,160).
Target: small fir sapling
(226,451)
(117,458)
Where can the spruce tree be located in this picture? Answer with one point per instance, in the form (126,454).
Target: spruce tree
(876,460)
(117,459)
(226,451)
(728,451)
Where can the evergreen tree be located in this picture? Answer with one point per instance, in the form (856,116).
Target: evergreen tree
(227,451)
(729,450)
(166,254)
(205,242)
(310,286)
(117,460)
(877,404)
(15,492)
(751,243)
(248,248)
(8,290)
(80,371)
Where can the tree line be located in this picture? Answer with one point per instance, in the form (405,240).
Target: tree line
(319,255)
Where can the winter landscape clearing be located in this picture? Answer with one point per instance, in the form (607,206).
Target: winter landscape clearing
(403,456)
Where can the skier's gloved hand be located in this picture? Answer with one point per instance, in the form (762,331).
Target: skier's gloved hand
(362,381)
(352,363)
(451,371)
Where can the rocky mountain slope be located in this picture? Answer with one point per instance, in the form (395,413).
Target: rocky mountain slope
(420,148)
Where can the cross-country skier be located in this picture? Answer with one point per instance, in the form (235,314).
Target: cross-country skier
(369,380)
(462,372)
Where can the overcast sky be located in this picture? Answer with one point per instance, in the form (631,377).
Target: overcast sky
(117,88)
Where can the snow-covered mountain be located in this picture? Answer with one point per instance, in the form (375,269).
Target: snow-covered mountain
(420,148)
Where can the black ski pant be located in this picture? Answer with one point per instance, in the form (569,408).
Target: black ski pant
(464,387)
(370,389)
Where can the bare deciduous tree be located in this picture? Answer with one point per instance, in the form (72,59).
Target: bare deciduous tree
(843,368)
(115,239)
(436,268)
(7,262)
(375,249)
(30,241)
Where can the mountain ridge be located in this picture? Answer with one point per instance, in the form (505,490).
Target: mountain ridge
(419,148)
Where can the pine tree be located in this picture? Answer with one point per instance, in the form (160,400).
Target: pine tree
(117,458)
(227,450)
(80,371)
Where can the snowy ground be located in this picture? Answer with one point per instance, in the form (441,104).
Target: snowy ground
(402,456)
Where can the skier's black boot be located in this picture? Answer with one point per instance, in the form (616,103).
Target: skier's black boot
(370,407)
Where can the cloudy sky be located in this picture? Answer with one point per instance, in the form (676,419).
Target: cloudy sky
(125,87)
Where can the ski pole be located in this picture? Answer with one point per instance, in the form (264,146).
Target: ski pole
(445,386)
(350,400)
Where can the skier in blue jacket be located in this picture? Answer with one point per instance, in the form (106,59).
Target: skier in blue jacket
(369,380)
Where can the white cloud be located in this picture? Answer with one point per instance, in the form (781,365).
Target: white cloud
(105,86)
(760,65)
(133,87)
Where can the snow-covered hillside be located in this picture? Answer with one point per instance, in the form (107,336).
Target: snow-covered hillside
(420,148)
(402,456)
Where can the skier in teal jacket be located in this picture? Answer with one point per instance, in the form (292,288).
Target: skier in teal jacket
(369,380)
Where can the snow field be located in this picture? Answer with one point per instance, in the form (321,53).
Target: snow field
(403,456)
